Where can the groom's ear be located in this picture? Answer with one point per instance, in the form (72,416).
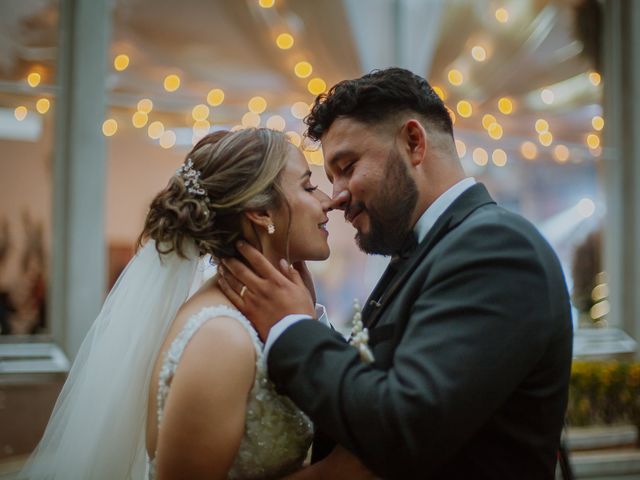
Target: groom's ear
(260,218)
(415,138)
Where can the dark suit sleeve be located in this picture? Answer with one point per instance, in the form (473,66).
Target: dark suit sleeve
(480,322)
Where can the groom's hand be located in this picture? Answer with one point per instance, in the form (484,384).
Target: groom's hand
(262,293)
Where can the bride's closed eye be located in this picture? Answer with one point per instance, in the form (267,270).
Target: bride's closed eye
(311,188)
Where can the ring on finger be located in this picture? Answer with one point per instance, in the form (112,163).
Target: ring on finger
(243,290)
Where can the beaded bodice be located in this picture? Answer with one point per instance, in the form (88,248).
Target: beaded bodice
(277,435)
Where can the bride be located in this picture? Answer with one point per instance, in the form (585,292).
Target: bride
(167,386)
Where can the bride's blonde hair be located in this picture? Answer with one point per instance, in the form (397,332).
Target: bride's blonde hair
(239,171)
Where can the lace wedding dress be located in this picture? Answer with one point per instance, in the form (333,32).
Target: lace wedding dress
(277,435)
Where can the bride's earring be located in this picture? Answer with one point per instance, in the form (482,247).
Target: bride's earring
(271,229)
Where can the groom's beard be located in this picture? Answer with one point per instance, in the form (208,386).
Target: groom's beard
(390,213)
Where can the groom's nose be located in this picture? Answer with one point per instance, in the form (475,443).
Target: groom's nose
(340,200)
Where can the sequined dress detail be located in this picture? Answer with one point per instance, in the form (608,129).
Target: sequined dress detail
(277,434)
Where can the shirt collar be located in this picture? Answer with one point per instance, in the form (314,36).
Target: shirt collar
(438,207)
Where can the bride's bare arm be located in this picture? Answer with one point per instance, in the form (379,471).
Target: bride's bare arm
(204,416)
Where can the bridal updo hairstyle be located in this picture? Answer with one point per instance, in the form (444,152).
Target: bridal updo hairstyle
(238,171)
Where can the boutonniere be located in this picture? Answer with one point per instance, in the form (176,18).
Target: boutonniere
(360,334)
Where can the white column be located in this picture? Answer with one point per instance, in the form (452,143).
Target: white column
(78,275)
(621,77)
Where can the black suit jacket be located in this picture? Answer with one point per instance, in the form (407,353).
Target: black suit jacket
(472,342)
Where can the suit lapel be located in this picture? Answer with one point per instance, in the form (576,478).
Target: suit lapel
(470,200)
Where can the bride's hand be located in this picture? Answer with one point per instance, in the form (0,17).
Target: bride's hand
(262,293)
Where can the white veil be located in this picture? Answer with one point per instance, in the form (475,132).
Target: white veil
(97,429)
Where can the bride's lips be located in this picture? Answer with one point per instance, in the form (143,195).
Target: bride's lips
(323,226)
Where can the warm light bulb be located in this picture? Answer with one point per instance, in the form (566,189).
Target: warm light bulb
(488,120)
(284,41)
(595,78)
(250,119)
(294,138)
(586,207)
(257,104)
(593,140)
(495,131)
(480,156)
(461,148)
(266,3)
(33,79)
(455,77)
(200,112)
(215,97)
(499,157)
(20,113)
(316,86)
(109,127)
(545,138)
(547,96)
(276,122)
(145,105)
(561,153)
(139,119)
(440,92)
(505,105)
(597,122)
(121,62)
(303,69)
(155,130)
(171,83)
(42,105)
(502,15)
(464,108)
(300,110)
(314,157)
(168,139)
(478,53)
(542,125)
(452,115)
(529,150)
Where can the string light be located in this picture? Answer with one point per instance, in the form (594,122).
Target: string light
(529,150)
(595,78)
(542,125)
(464,108)
(455,77)
(33,79)
(586,207)
(314,157)
(478,53)
(593,141)
(284,41)
(480,156)
(155,130)
(250,119)
(145,105)
(495,131)
(121,62)
(215,97)
(276,122)
(200,112)
(42,105)
(300,110)
(561,153)
(257,104)
(303,69)
(20,113)
(171,83)
(139,119)
(109,127)
(502,15)
(452,115)
(266,3)
(487,120)
(547,96)
(499,157)
(316,86)
(440,92)
(168,139)
(294,138)
(545,138)
(461,148)
(505,105)
(597,122)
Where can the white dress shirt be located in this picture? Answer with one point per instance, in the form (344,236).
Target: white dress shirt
(425,223)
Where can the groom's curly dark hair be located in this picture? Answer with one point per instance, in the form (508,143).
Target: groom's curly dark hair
(376,97)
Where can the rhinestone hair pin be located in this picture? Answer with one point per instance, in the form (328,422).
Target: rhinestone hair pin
(191,178)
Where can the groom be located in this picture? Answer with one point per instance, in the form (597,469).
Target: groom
(469,327)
